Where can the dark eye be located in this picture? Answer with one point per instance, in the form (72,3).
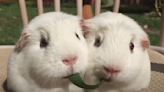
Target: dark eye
(97,42)
(131,46)
(77,36)
(43,43)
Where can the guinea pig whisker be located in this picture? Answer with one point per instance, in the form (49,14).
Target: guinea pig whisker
(51,82)
(46,82)
(36,63)
(40,80)
(57,81)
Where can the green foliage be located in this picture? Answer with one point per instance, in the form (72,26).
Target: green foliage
(69,5)
(11,23)
(154,24)
(104,2)
(135,9)
(154,38)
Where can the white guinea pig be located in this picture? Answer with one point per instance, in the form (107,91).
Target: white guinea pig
(118,51)
(51,47)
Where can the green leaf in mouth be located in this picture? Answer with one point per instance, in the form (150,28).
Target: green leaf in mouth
(76,79)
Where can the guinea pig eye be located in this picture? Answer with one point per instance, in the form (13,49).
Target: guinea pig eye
(131,46)
(77,35)
(43,43)
(97,42)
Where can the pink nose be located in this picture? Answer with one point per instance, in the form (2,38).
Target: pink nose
(112,70)
(70,60)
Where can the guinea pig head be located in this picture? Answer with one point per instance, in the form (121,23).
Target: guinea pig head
(118,47)
(54,47)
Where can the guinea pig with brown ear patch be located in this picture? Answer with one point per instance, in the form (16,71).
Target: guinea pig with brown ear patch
(118,49)
(51,47)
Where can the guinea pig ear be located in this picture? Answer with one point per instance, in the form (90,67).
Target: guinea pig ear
(145,42)
(85,26)
(22,40)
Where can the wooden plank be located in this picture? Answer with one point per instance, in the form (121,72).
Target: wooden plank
(23,10)
(16,0)
(116,6)
(162,29)
(79,7)
(57,5)
(97,7)
(40,6)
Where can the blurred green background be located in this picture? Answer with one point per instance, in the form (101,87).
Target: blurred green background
(143,12)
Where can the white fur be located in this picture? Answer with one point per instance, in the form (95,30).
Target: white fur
(116,32)
(36,69)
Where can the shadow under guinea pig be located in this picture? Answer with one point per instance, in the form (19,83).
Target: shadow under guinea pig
(157,67)
(5,88)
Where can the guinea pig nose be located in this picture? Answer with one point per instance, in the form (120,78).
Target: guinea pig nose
(112,70)
(70,60)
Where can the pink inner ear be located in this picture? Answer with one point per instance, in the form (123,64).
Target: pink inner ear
(20,43)
(24,33)
(17,44)
(145,42)
(84,24)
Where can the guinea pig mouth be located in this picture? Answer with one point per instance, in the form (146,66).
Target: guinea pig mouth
(108,80)
(67,76)
(70,73)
